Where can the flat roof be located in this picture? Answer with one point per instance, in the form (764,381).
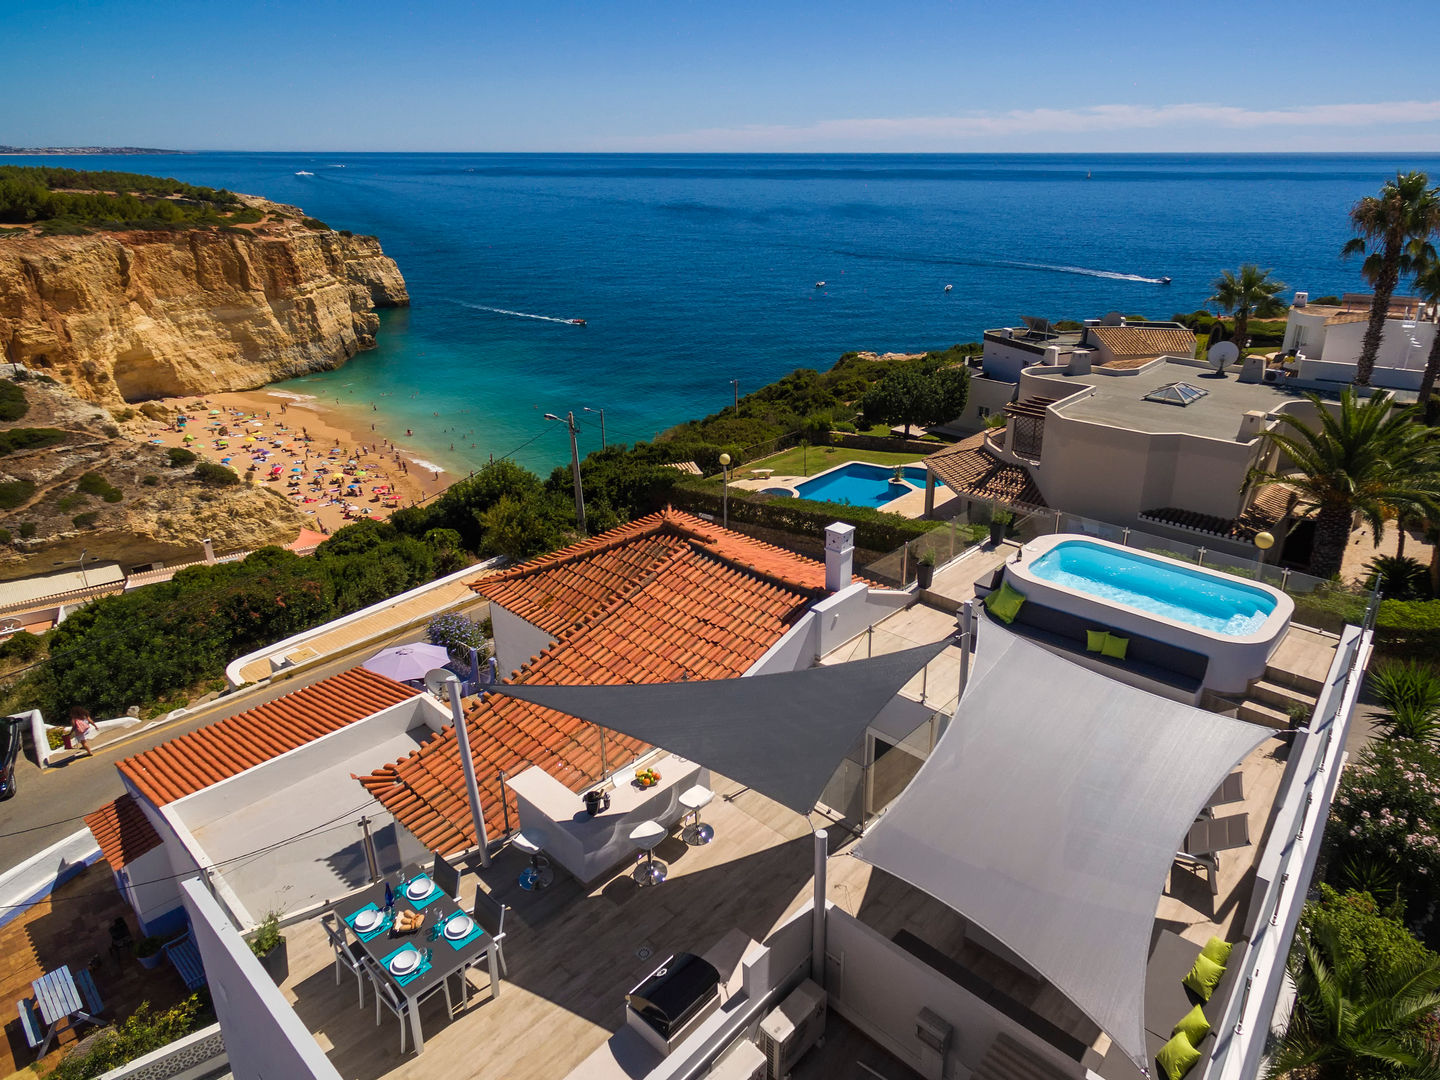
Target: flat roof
(1119,400)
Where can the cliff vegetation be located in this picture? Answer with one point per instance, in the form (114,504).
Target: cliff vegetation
(77,201)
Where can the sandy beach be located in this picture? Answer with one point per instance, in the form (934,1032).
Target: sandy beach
(323,459)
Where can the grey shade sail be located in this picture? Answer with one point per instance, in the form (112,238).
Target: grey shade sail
(783,735)
(1049,814)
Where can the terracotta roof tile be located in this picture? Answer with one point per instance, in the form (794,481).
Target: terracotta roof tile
(969,468)
(1271,505)
(195,761)
(708,605)
(1128,343)
(122,830)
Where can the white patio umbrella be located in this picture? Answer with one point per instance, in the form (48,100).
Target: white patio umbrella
(406,663)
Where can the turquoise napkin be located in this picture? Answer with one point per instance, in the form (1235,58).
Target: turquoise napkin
(369,935)
(436,893)
(403,979)
(459,943)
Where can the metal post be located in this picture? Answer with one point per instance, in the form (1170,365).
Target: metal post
(603,443)
(372,862)
(1200,557)
(504,802)
(1125,537)
(735,383)
(467,764)
(967,627)
(604,768)
(725,496)
(817,915)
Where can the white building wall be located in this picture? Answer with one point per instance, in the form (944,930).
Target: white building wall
(516,640)
(1402,345)
(264,1038)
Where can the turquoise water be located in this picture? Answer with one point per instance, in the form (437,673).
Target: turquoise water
(692,270)
(1173,592)
(860,484)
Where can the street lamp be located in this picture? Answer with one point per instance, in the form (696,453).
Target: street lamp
(602,424)
(725,499)
(1264,541)
(569,422)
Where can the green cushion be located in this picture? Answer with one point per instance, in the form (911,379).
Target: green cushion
(1115,646)
(1193,1026)
(1004,603)
(1217,949)
(1203,977)
(1095,640)
(1176,1057)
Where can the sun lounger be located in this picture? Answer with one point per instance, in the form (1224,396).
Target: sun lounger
(1208,837)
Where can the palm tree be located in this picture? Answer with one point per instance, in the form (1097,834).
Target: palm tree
(1353,1019)
(1409,695)
(1251,293)
(1370,457)
(1407,209)
(1427,285)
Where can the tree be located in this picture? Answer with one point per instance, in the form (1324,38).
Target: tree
(1427,285)
(1246,294)
(1355,1019)
(921,393)
(1371,457)
(1409,695)
(1387,227)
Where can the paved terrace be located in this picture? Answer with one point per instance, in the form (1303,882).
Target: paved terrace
(574,953)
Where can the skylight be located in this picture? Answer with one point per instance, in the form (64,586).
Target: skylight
(1176,393)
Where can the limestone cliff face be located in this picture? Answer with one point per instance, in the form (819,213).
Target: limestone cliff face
(126,317)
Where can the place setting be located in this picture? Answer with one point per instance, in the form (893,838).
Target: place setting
(421,891)
(370,922)
(457,930)
(407,963)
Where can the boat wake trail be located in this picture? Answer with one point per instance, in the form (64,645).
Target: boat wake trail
(1009,264)
(515,314)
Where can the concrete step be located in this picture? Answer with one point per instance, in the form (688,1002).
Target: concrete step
(1304,683)
(1279,695)
(1008,1060)
(1256,713)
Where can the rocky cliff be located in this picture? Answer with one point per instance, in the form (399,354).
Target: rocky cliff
(126,317)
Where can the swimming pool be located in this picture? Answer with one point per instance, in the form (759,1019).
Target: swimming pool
(1236,624)
(1127,577)
(859,484)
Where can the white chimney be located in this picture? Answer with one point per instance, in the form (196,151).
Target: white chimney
(1301,298)
(209,551)
(1251,425)
(839,556)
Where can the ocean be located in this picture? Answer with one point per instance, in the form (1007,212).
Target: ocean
(694,270)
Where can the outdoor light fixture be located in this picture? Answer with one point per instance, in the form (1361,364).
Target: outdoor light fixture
(725,498)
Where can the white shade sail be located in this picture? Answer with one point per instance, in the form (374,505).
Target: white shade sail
(783,735)
(1049,814)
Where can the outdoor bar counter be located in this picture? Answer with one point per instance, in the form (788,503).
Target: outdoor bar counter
(589,846)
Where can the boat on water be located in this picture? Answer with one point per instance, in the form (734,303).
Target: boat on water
(577,322)
(819,284)
(302,172)
(1164,281)
(949,287)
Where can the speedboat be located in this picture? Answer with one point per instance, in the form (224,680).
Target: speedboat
(302,172)
(949,287)
(577,322)
(1164,281)
(819,284)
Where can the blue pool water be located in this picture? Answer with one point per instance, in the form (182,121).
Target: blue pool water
(859,484)
(1190,596)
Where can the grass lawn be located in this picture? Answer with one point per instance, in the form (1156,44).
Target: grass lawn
(809,460)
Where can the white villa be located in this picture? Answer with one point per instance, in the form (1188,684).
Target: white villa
(1325,340)
(938,841)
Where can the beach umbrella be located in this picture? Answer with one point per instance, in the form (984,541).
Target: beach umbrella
(296,468)
(214,412)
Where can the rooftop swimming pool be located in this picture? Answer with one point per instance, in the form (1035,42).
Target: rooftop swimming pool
(1199,598)
(861,484)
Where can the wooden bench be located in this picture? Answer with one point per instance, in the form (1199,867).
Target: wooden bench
(185,958)
(31,1023)
(85,983)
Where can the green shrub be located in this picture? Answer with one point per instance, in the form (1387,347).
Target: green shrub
(315,223)
(207,472)
(12,401)
(22,646)
(1399,578)
(459,635)
(17,439)
(178,456)
(1408,626)
(267,937)
(1409,695)
(92,483)
(28,530)
(150,480)
(1362,931)
(86,520)
(139,1034)
(66,503)
(123,415)
(5,536)
(15,492)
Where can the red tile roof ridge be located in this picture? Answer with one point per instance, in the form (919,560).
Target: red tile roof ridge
(122,830)
(191,762)
(582,549)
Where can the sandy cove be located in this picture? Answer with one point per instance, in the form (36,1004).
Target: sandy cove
(307,433)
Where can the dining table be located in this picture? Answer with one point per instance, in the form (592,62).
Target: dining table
(58,999)
(447,957)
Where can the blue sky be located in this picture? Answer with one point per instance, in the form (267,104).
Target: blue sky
(734,75)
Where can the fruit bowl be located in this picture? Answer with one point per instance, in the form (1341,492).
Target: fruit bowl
(647,778)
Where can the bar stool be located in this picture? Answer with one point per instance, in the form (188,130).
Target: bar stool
(694,800)
(645,836)
(538,875)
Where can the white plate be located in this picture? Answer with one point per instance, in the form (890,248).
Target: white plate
(405,962)
(418,890)
(458,927)
(368,920)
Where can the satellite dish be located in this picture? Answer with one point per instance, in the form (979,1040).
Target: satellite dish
(435,680)
(1036,324)
(1113,318)
(1223,353)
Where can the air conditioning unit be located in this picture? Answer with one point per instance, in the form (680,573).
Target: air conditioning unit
(792,1028)
(744,1061)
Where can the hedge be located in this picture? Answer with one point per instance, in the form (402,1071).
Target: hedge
(874,530)
(1408,626)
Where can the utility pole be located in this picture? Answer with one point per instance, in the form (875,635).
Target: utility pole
(603,443)
(735,384)
(569,422)
(467,766)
